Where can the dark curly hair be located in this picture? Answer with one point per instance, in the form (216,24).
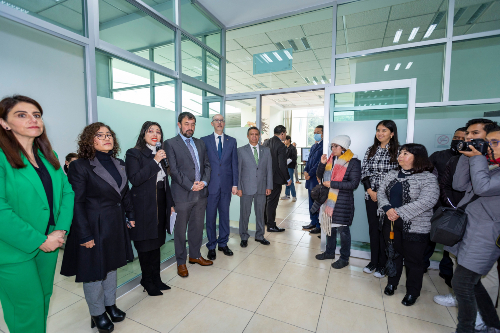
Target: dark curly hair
(86,141)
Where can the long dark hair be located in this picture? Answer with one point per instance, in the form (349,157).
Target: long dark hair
(86,148)
(393,143)
(9,144)
(421,161)
(141,142)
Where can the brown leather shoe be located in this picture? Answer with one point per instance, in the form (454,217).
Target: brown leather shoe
(182,270)
(201,261)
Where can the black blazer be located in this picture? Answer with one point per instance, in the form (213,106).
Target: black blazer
(142,171)
(99,214)
(291,153)
(182,169)
(278,155)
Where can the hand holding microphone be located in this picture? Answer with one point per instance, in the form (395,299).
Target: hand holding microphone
(161,156)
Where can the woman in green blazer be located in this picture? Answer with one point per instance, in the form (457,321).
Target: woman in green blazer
(36,209)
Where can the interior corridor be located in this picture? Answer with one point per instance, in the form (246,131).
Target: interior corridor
(275,288)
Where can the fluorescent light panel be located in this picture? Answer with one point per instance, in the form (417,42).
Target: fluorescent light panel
(409,65)
(430,30)
(289,56)
(386,67)
(413,33)
(398,35)
(397,66)
(277,56)
(267,57)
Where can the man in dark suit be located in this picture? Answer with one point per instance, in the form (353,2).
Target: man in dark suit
(223,157)
(190,172)
(280,175)
(310,176)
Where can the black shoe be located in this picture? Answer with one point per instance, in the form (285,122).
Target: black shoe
(211,254)
(324,256)
(263,241)
(115,314)
(340,264)
(244,243)
(390,289)
(409,300)
(227,251)
(309,226)
(104,325)
(319,236)
(315,231)
(275,229)
(151,288)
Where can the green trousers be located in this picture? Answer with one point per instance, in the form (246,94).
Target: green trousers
(25,290)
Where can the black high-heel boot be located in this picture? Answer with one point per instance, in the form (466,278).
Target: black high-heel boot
(147,274)
(155,269)
(115,314)
(104,325)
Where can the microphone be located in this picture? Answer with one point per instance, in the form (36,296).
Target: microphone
(163,161)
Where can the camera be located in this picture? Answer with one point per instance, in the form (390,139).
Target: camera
(480,145)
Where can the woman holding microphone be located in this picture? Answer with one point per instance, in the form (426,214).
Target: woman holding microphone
(152,201)
(30,176)
(99,242)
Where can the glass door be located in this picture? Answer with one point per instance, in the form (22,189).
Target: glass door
(355,110)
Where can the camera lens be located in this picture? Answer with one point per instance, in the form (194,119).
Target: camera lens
(461,145)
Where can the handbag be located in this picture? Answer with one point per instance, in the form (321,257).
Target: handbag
(448,224)
(320,193)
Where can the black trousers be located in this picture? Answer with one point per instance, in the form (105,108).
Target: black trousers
(272,203)
(471,297)
(377,243)
(413,255)
(445,265)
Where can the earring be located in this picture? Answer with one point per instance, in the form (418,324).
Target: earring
(6,128)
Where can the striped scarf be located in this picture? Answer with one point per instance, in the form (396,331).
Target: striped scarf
(333,172)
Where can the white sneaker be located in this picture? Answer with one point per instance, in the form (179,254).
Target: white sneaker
(445,300)
(294,199)
(285,197)
(481,326)
(380,273)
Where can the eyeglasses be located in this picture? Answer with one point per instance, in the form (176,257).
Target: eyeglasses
(104,136)
(220,121)
(334,146)
(493,143)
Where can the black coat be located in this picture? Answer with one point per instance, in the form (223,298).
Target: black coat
(142,171)
(291,153)
(343,212)
(99,214)
(278,155)
(449,197)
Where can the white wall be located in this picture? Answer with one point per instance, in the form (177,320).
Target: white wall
(51,71)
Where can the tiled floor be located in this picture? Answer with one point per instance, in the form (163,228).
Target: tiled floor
(276,288)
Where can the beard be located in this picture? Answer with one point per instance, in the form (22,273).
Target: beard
(188,134)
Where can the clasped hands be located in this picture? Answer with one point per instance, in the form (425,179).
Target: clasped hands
(198,186)
(392,215)
(54,241)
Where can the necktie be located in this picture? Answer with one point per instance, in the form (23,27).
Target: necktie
(193,156)
(219,147)
(255,155)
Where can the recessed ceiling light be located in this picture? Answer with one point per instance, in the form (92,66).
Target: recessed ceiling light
(267,57)
(277,56)
(397,66)
(430,30)
(409,65)
(293,45)
(398,35)
(289,56)
(413,33)
(280,46)
(386,68)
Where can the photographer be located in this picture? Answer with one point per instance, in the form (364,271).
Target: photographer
(477,252)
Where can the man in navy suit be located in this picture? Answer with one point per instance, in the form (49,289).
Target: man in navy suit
(223,158)
(310,176)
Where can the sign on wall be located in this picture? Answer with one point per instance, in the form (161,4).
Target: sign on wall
(442,141)
(273,61)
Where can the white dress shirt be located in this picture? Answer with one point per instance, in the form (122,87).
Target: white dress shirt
(257,146)
(217,140)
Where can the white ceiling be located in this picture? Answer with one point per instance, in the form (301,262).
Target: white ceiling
(235,12)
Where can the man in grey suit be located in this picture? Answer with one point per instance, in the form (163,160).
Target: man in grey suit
(255,182)
(190,172)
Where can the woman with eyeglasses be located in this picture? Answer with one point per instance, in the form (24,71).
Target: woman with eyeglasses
(36,208)
(153,203)
(380,158)
(99,242)
(479,177)
(405,200)
(340,172)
